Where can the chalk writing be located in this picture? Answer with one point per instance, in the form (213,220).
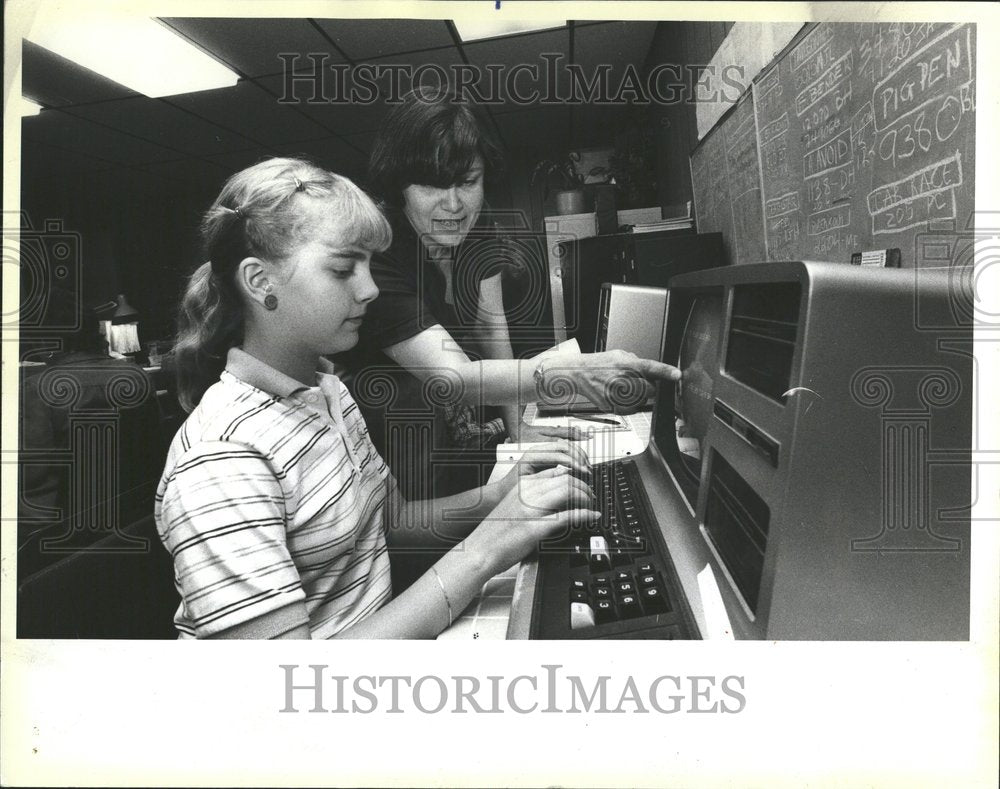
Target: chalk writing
(915,213)
(925,76)
(937,177)
(829,155)
(779,206)
(833,218)
(811,44)
(773,129)
(774,158)
(840,71)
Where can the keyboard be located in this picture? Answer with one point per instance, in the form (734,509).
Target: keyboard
(614,579)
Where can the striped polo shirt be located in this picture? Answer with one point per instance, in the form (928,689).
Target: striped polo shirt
(272,493)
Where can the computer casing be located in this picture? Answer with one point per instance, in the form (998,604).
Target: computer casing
(860,466)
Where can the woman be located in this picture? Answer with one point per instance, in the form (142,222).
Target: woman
(436,345)
(274,504)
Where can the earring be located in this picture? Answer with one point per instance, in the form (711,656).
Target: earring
(270,300)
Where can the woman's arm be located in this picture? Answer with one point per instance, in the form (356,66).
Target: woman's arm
(492,319)
(614,381)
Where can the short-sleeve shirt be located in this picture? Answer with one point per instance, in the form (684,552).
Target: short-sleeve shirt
(408,422)
(273,494)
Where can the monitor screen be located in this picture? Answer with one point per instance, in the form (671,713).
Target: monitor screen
(684,410)
(763,335)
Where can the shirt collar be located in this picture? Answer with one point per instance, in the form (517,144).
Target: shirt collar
(264,377)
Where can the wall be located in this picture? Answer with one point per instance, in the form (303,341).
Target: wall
(135,234)
(687,44)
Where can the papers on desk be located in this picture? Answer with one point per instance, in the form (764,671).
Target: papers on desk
(628,437)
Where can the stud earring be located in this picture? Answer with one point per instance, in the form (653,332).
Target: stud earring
(270,300)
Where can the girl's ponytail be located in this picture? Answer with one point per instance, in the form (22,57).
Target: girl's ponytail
(209,323)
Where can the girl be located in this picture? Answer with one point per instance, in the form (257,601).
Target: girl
(274,504)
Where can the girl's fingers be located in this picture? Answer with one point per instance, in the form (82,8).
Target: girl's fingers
(558,470)
(566,520)
(573,460)
(555,492)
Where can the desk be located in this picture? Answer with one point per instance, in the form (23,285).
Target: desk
(502,609)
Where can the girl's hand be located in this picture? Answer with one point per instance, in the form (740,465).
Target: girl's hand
(540,505)
(567,454)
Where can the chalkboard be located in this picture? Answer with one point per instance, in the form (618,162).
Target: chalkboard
(726,182)
(865,134)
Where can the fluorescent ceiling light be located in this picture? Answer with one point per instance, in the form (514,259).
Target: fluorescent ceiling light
(475,29)
(137,52)
(27,107)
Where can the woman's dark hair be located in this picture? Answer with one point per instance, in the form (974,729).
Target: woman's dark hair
(430,139)
(259,213)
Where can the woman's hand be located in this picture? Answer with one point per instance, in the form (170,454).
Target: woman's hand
(615,381)
(527,434)
(540,505)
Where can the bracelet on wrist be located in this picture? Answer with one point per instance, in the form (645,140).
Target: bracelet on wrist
(447,600)
(540,387)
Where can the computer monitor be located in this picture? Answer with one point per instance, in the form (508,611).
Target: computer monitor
(819,439)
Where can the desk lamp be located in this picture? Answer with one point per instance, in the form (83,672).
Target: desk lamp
(123,335)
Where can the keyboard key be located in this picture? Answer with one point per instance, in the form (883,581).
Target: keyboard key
(644,568)
(654,600)
(604,611)
(630,543)
(578,586)
(621,575)
(602,592)
(602,580)
(624,587)
(647,580)
(581,615)
(621,556)
(578,597)
(600,559)
(628,606)
(578,555)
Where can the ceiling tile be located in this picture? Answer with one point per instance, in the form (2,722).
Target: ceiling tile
(54,81)
(524,48)
(251,110)
(363,141)
(234,161)
(516,89)
(336,116)
(194,174)
(432,68)
(331,153)
(362,39)
(614,43)
(161,123)
(251,46)
(38,160)
(62,130)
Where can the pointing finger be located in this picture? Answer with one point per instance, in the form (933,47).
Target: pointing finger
(652,369)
